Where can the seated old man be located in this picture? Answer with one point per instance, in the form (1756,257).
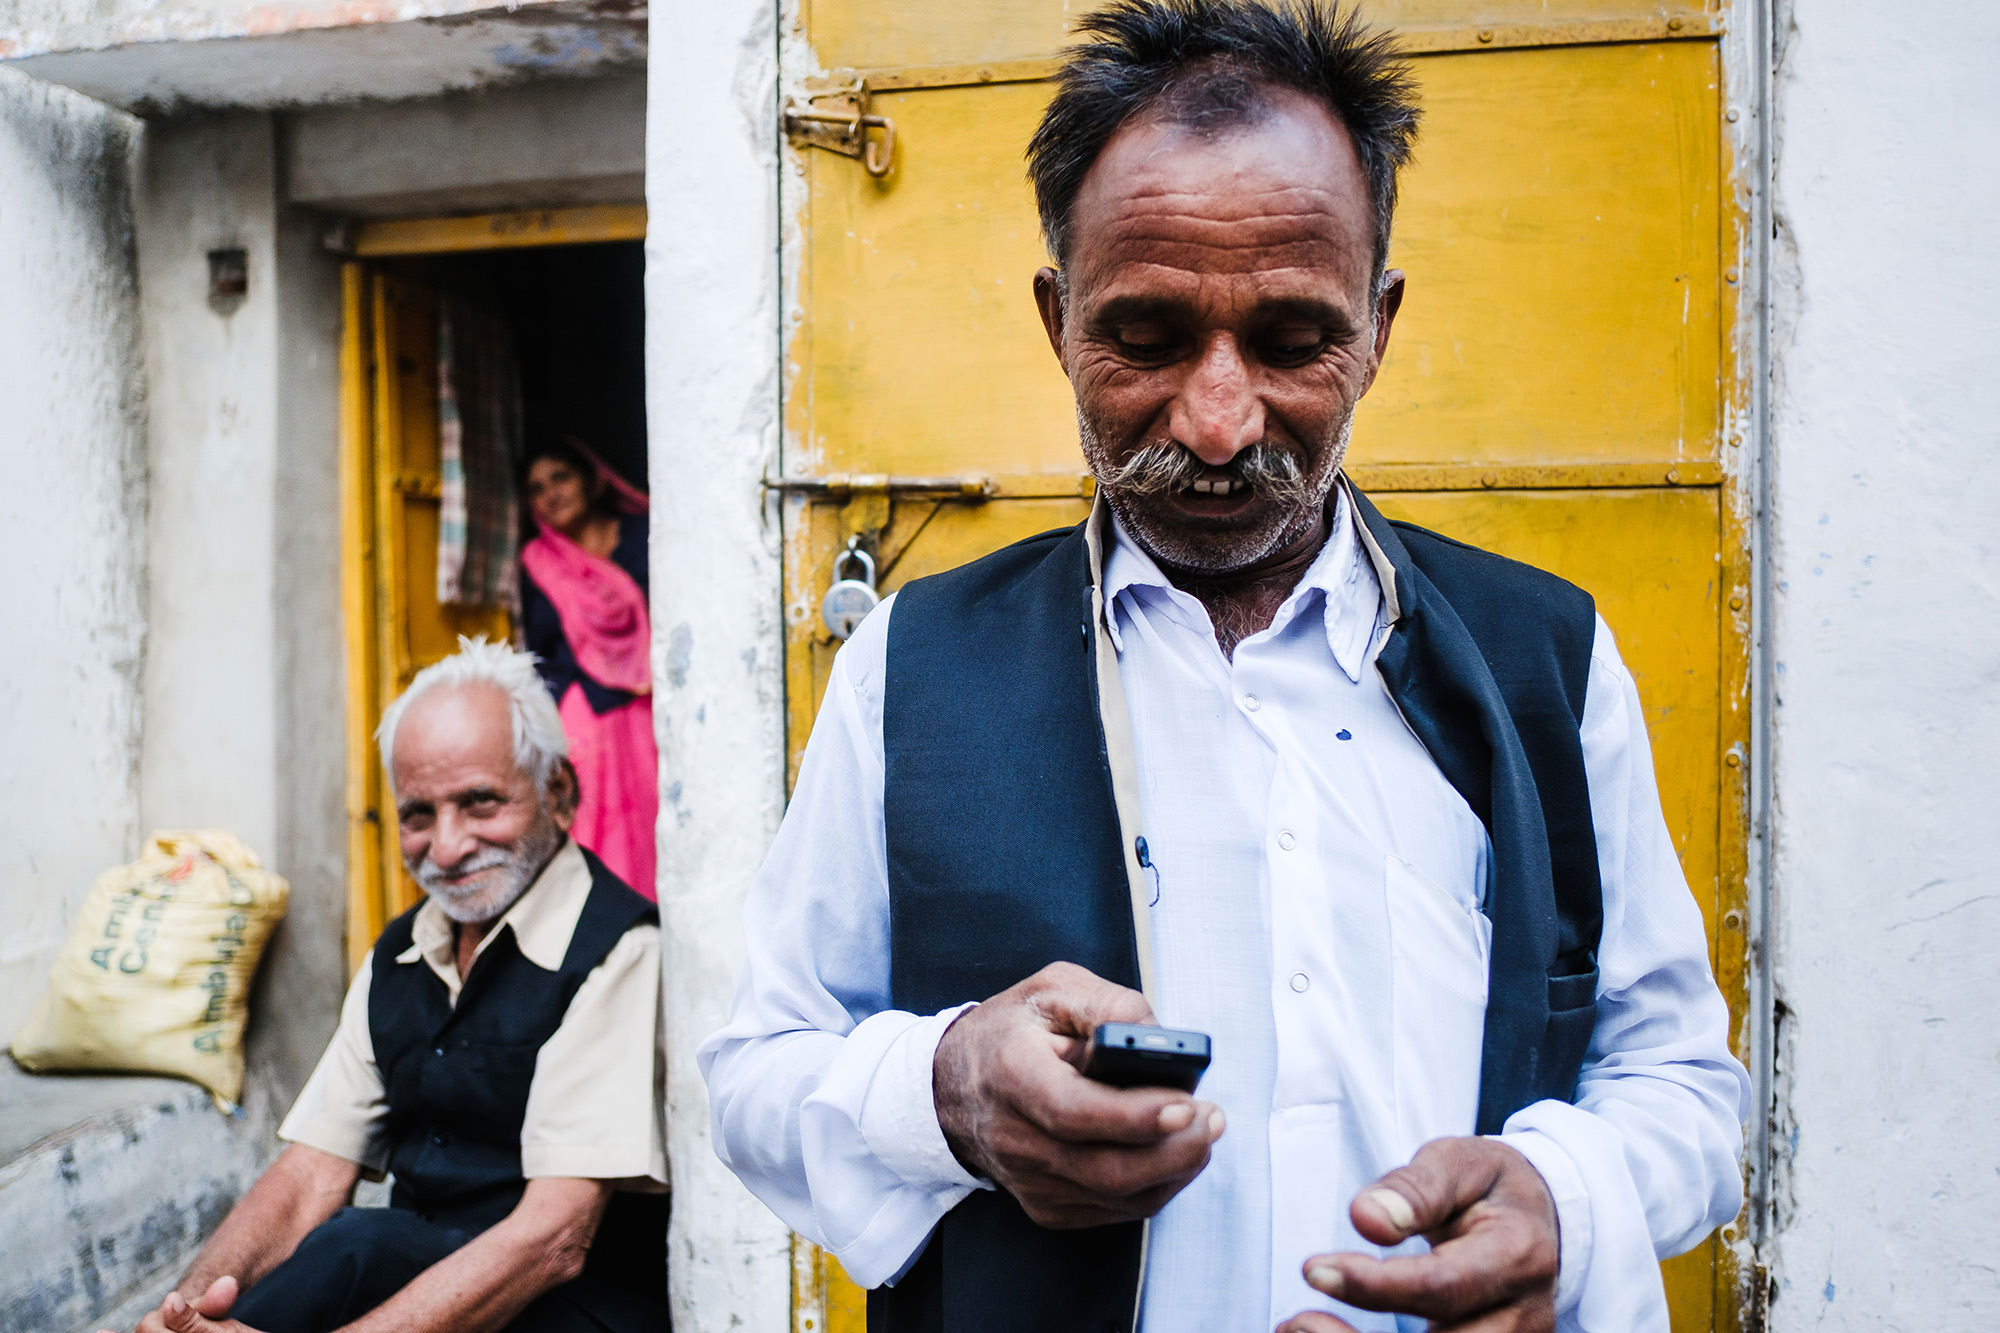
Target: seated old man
(497,1054)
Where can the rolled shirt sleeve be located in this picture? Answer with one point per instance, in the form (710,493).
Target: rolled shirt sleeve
(1648,1160)
(342,1107)
(595,1105)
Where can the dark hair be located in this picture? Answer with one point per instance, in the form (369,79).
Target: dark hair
(1206,64)
(565,450)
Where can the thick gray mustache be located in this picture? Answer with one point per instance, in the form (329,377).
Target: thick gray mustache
(1268,470)
(431,876)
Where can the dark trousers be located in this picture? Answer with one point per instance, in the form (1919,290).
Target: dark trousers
(359,1258)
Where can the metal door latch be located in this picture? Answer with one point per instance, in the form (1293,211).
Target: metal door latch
(846,127)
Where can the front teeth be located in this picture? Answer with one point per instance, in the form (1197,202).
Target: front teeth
(1219,486)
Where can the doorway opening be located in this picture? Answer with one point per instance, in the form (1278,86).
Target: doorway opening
(468,343)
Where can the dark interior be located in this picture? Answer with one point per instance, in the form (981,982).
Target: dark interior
(578,315)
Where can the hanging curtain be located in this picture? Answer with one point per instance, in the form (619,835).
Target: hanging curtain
(479,447)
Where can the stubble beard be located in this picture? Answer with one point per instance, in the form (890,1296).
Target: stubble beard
(510,871)
(1206,551)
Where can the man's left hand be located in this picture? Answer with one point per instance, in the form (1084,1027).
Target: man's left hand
(1491,1224)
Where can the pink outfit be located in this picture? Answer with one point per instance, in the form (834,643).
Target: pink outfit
(604,619)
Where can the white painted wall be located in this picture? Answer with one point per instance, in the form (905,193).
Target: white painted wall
(243,664)
(72,518)
(1885,528)
(712,389)
(210,753)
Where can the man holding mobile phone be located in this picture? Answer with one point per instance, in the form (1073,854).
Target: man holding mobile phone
(1371,809)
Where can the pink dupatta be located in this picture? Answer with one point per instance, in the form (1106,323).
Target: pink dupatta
(603,612)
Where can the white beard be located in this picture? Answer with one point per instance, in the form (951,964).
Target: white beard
(511,870)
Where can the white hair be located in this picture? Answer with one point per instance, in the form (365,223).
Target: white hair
(539,743)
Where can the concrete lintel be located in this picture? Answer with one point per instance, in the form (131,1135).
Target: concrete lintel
(550,144)
(346,54)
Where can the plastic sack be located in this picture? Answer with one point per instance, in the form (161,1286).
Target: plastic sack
(155,975)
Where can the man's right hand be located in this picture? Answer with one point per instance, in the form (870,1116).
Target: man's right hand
(206,1313)
(1073,1152)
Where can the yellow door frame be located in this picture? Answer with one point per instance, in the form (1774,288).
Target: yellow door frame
(372,486)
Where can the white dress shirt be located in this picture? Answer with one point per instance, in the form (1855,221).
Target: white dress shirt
(1316,910)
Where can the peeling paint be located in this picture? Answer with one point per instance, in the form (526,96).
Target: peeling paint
(162,63)
(712,391)
(680,653)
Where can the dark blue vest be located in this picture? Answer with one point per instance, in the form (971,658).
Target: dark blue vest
(457,1083)
(1004,850)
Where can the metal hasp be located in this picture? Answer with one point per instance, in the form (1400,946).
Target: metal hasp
(843,127)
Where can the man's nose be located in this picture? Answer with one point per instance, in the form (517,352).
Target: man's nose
(1217,412)
(451,840)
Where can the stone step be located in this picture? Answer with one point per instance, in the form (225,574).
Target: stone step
(108,1184)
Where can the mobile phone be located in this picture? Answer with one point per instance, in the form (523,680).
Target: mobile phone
(1139,1055)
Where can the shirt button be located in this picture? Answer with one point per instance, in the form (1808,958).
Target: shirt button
(1300,981)
(1287,841)
(437,1050)
(1250,702)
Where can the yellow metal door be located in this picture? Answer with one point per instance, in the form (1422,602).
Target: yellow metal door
(1556,389)
(395,626)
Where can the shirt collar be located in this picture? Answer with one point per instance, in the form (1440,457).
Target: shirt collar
(542,919)
(1343,576)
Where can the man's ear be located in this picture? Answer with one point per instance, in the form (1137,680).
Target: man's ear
(1387,302)
(1049,300)
(564,789)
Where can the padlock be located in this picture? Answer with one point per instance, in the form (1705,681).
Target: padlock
(848,602)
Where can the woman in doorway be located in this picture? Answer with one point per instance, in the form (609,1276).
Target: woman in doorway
(583,614)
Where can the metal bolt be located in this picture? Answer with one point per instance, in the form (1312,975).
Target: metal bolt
(1733,759)
(1675,25)
(1734,441)
(1490,479)
(1732,920)
(1736,603)
(1731,276)
(1485,34)
(1673,476)
(1732,115)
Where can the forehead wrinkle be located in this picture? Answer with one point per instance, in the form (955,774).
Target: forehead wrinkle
(1310,209)
(1319,258)
(1294,237)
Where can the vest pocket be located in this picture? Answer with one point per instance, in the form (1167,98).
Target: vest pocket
(1572,1020)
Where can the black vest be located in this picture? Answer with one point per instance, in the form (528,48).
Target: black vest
(457,1083)
(1004,850)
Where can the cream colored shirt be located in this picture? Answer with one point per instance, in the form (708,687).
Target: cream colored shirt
(596,1109)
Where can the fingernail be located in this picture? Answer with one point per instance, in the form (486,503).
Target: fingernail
(1216,1124)
(1401,1215)
(175,1304)
(1175,1118)
(1327,1278)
